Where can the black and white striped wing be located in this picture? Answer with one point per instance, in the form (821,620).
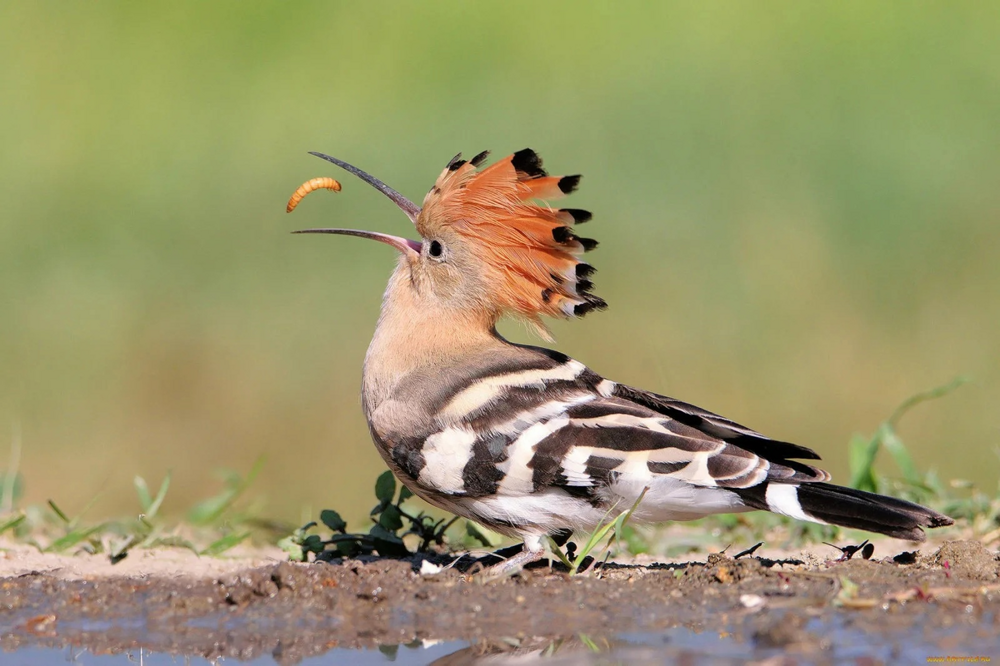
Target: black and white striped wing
(565,453)
(611,441)
(557,426)
(539,447)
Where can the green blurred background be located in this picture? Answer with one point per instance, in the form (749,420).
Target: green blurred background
(797,205)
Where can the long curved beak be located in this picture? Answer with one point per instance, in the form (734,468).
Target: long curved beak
(404,245)
(411,209)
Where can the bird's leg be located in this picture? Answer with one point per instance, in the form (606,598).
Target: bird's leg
(531,551)
(514,564)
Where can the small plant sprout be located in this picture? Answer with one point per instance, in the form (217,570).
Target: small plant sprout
(215,524)
(210,510)
(597,536)
(384,537)
(863,451)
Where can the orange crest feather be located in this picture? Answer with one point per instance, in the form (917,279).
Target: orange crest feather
(532,255)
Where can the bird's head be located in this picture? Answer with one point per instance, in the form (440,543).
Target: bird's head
(488,243)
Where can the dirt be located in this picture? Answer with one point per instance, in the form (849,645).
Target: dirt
(942,603)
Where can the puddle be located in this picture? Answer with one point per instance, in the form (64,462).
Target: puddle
(140,657)
(840,639)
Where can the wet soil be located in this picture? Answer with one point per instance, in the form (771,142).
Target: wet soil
(946,602)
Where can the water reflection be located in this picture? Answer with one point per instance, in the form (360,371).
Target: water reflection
(836,639)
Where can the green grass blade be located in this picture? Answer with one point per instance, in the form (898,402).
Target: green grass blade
(894,445)
(623,518)
(154,507)
(171,541)
(210,510)
(254,472)
(73,538)
(225,543)
(558,552)
(861,457)
(933,394)
(600,533)
(59,512)
(12,523)
(142,490)
(589,643)
(595,538)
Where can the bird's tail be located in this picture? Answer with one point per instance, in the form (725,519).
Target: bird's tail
(836,505)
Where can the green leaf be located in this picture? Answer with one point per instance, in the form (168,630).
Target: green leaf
(385,487)
(391,519)
(293,548)
(473,531)
(312,544)
(386,543)
(404,494)
(348,548)
(332,519)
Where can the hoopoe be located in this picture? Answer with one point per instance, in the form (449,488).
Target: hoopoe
(526,440)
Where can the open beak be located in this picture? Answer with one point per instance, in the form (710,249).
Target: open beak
(404,245)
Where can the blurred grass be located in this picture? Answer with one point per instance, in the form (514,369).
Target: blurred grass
(797,205)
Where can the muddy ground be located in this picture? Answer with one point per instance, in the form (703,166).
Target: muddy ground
(941,602)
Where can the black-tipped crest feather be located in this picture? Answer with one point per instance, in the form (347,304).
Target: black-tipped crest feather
(528,162)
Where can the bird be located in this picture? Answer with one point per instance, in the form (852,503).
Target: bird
(524,439)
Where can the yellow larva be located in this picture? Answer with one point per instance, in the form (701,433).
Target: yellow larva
(307,187)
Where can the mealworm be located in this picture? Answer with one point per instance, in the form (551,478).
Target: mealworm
(307,187)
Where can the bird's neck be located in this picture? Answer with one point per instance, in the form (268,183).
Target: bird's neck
(416,332)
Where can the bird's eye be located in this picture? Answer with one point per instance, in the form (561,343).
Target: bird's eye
(435,249)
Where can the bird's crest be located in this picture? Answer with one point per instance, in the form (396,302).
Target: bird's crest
(532,255)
